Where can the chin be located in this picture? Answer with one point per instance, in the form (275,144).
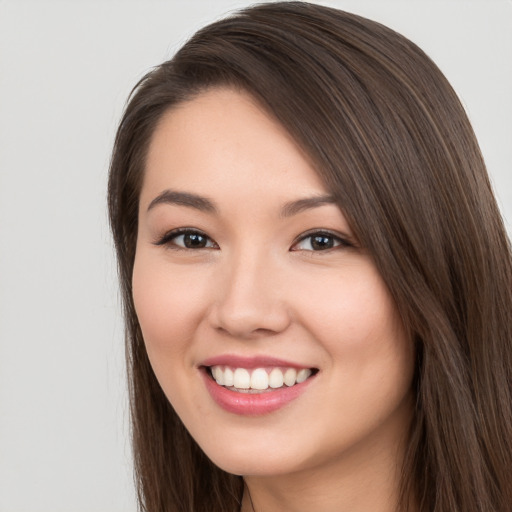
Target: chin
(260,458)
(254,466)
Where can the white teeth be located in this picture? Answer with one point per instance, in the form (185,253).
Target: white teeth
(276,379)
(258,379)
(303,374)
(218,375)
(241,379)
(290,376)
(228,377)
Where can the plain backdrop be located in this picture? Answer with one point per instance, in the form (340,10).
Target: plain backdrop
(66,69)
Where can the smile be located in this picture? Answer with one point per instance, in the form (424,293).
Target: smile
(257,380)
(255,386)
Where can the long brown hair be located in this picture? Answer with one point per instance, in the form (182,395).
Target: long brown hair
(392,142)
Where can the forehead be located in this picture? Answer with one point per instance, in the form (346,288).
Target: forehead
(223,139)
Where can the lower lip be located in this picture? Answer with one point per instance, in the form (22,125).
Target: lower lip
(253,404)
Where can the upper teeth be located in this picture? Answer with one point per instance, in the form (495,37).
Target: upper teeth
(259,378)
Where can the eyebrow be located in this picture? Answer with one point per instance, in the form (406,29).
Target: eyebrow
(204,204)
(184,199)
(298,206)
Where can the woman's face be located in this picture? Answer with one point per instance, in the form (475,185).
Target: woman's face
(247,270)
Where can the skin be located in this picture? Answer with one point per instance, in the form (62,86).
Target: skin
(258,288)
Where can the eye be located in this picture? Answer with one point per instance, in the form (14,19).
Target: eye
(319,241)
(187,239)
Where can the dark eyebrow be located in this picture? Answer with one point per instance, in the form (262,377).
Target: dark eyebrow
(183,199)
(295,207)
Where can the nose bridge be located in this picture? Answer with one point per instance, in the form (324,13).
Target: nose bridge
(248,300)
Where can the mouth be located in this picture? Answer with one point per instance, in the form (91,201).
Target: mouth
(254,386)
(258,380)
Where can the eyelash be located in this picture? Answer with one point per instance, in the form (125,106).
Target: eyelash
(169,239)
(338,240)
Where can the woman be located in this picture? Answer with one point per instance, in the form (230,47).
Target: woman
(316,278)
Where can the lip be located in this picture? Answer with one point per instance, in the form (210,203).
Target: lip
(251,404)
(250,363)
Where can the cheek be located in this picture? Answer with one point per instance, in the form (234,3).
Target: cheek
(355,319)
(351,308)
(369,359)
(168,306)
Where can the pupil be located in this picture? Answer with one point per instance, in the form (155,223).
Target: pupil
(194,240)
(322,242)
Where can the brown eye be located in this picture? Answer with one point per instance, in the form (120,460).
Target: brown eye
(187,239)
(194,240)
(319,241)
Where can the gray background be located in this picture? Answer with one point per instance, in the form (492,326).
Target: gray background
(66,69)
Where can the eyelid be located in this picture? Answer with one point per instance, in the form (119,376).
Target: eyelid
(167,238)
(343,240)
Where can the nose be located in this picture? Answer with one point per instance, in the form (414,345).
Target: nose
(250,299)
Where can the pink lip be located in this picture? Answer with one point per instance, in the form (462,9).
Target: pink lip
(251,404)
(249,362)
